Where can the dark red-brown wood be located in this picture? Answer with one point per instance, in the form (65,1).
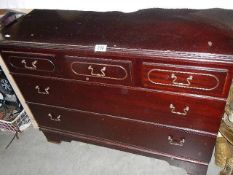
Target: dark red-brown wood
(92,85)
(211,81)
(56,136)
(151,106)
(153,29)
(102,70)
(29,62)
(200,80)
(142,135)
(32,63)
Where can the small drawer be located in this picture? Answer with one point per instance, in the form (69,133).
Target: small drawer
(158,107)
(22,62)
(150,137)
(188,79)
(101,70)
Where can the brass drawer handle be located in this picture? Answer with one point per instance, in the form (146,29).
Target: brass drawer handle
(175,142)
(173,110)
(56,119)
(32,67)
(174,77)
(45,92)
(97,75)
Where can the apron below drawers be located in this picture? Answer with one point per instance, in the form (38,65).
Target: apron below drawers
(157,138)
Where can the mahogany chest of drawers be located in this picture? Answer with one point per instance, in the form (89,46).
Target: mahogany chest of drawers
(152,82)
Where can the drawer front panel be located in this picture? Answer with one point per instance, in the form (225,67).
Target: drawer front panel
(155,138)
(101,70)
(70,67)
(158,107)
(34,63)
(184,78)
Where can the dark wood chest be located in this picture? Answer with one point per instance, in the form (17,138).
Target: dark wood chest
(152,82)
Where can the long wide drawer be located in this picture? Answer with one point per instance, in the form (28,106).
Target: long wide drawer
(148,136)
(158,107)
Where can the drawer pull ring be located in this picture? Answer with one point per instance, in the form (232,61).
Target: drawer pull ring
(56,119)
(175,142)
(97,75)
(45,92)
(174,77)
(173,110)
(33,67)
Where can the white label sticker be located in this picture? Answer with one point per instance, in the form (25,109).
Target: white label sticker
(100,48)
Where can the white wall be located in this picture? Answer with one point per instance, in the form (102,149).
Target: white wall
(112,5)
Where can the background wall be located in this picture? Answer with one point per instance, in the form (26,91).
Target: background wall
(112,5)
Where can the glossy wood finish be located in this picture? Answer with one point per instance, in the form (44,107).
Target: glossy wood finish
(36,64)
(210,80)
(106,97)
(57,136)
(102,70)
(199,80)
(29,62)
(175,30)
(150,106)
(178,143)
(72,67)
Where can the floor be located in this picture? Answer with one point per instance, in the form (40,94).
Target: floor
(33,155)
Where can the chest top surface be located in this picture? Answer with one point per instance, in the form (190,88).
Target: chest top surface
(151,29)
